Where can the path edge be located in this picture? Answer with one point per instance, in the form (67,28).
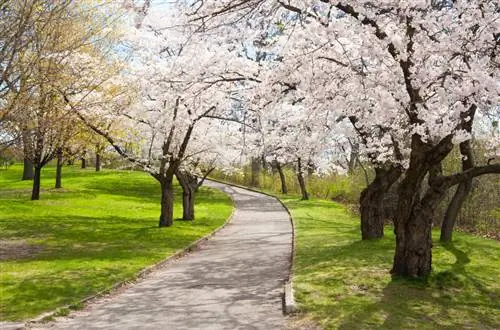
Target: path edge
(135,278)
(289,304)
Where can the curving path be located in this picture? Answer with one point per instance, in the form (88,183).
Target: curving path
(233,281)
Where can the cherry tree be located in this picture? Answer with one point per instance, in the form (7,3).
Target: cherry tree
(435,61)
(215,145)
(294,128)
(180,83)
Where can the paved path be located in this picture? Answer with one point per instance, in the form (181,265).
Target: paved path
(234,281)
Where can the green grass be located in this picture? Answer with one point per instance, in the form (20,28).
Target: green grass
(342,282)
(101,228)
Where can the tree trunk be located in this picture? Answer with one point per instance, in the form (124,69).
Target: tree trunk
(255,179)
(413,230)
(412,223)
(188,195)
(189,185)
(302,183)
(35,193)
(353,157)
(59,169)
(372,202)
(97,162)
(28,169)
(413,255)
(413,219)
(84,163)
(463,190)
(284,188)
(167,202)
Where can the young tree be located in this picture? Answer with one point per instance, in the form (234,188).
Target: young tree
(58,31)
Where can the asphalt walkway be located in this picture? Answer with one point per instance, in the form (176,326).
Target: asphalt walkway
(233,281)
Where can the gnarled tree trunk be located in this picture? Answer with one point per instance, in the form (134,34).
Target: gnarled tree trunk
(372,202)
(84,163)
(413,222)
(412,227)
(413,218)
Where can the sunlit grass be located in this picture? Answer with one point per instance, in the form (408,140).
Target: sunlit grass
(101,228)
(342,282)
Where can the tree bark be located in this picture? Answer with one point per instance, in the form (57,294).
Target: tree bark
(255,178)
(59,166)
(413,218)
(412,228)
(284,188)
(35,193)
(188,196)
(413,221)
(302,183)
(372,202)
(189,186)
(167,202)
(28,169)
(84,163)
(463,190)
(353,157)
(97,162)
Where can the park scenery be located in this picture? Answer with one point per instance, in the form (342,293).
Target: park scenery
(249,164)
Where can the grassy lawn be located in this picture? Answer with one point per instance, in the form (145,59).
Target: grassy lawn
(342,282)
(101,228)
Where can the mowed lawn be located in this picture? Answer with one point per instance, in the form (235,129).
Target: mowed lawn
(342,282)
(99,229)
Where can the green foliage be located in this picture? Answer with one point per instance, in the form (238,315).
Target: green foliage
(100,229)
(342,188)
(342,282)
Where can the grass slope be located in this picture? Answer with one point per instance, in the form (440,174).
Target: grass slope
(342,282)
(101,228)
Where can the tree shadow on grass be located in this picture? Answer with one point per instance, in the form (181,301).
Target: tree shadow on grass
(441,301)
(112,237)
